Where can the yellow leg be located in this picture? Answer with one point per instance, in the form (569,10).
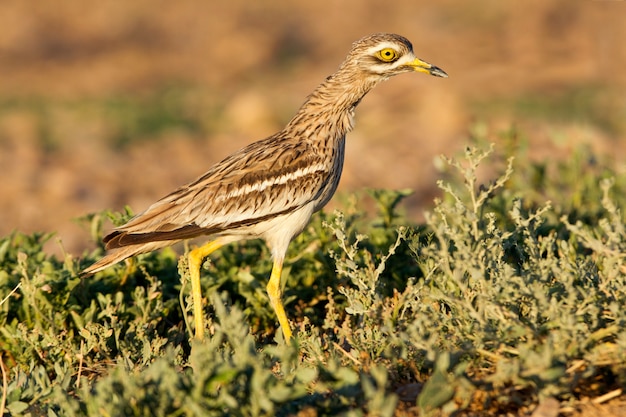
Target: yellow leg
(195,258)
(275,293)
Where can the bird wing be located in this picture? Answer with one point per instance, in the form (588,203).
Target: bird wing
(267,178)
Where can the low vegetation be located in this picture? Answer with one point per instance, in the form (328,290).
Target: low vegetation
(499,301)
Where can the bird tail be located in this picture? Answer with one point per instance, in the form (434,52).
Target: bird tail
(119,254)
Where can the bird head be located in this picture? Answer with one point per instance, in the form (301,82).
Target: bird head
(384,55)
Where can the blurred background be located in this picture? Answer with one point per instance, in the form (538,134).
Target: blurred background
(113,103)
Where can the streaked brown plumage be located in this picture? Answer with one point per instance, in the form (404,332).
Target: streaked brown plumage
(270,188)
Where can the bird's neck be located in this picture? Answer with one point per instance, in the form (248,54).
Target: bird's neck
(329,110)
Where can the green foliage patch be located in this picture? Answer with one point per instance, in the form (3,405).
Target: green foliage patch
(499,300)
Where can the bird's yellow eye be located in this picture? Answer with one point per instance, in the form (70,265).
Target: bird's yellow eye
(388,54)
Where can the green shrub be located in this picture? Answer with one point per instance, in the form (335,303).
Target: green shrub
(498,301)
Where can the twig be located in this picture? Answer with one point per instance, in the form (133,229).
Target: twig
(10,294)
(352,358)
(608,396)
(181,294)
(80,364)
(5,386)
